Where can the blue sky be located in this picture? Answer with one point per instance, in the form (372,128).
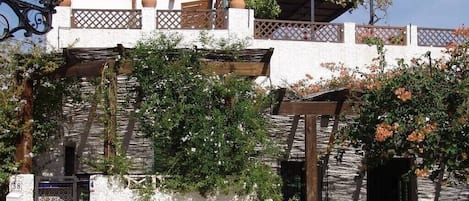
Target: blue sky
(423,13)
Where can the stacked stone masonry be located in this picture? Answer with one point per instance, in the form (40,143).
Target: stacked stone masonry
(339,182)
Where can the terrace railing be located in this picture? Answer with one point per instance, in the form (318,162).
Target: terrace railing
(389,35)
(438,37)
(106,19)
(301,31)
(191,19)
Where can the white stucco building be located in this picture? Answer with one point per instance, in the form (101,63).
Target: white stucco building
(300,47)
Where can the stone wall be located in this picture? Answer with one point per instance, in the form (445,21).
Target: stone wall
(83,130)
(339,182)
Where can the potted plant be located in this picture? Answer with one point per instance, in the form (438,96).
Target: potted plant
(66,3)
(149,3)
(237,4)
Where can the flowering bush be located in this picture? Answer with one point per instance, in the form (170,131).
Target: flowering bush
(207,130)
(20,63)
(418,110)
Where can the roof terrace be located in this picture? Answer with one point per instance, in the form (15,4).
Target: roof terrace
(300,46)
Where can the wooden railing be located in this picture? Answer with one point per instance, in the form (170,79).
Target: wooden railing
(191,19)
(106,19)
(438,37)
(389,35)
(301,31)
(142,181)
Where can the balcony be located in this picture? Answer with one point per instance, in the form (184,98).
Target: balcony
(299,47)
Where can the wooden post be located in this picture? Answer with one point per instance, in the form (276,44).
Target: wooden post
(311,158)
(312,11)
(111,127)
(24,147)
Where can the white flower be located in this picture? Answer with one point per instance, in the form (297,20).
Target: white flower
(193,149)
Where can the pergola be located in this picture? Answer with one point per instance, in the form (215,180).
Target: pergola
(330,103)
(90,62)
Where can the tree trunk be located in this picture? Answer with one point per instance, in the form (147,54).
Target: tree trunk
(24,146)
(439,181)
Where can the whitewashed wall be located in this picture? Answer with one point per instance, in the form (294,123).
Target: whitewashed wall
(291,59)
(21,188)
(108,188)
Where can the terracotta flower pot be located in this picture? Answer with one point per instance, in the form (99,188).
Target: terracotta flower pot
(237,4)
(149,3)
(66,3)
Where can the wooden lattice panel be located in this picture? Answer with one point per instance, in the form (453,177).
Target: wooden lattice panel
(302,31)
(438,37)
(389,35)
(191,19)
(106,19)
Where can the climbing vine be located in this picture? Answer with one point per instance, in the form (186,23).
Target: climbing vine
(207,130)
(21,63)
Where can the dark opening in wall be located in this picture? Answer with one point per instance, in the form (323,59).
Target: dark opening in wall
(392,181)
(294,181)
(70,156)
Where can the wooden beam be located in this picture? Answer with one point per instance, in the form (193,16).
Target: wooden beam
(313,107)
(311,158)
(291,136)
(240,68)
(92,69)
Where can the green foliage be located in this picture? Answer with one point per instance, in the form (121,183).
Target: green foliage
(117,164)
(264,9)
(16,63)
(418,110)
(9,124)
(106,98)
(207,130)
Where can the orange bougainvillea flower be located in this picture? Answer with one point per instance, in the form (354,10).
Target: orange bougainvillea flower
(462,31)
(416,136)
(422,172)
(383,132)
(403,94)
(429,128)
(419,135)
(373,85)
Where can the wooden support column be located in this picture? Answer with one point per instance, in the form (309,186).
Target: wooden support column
(24,146)
(111,126)
(311,158)
(312,11)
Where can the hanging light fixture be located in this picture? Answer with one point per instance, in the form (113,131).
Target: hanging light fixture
(32,16)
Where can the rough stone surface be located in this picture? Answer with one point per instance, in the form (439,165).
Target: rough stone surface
(91,149)
(339,182)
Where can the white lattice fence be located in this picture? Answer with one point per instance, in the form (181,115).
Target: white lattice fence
(106,19)
(302,31)
(438,37)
